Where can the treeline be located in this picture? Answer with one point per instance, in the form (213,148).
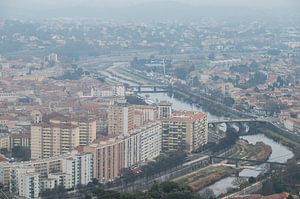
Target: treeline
(230,139)
(287,180)
(162,163)
(165,190)
(73,74)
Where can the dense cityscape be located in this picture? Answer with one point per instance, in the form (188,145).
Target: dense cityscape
(92,108)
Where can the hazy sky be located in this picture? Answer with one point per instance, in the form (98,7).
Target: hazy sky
(104,3)
(38,7)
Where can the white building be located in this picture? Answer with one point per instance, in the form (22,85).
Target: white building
(132,149)
(29,185)
(151,141)
(148,139)
(24,181)
(119,90)
(80,166)
(67,170)
(108,91)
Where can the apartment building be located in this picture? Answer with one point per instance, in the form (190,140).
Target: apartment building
(142,114)
(115,152)
(80,166)
(29,186)
(108,153)
(150,139)
(4,141)
(164,110)
(24,181)
(122,118)
(58,134)
(185,130)
(87,130)
(52,139)
(20,140)
(28,179)
(143,144)
(132,149)
(86,124)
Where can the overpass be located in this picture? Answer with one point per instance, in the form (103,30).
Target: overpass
(236,160)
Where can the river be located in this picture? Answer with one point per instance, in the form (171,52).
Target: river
(177,103)
(280,153)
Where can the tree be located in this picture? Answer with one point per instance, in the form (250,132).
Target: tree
(252,180)
(208,193)
(239,182)
(181,73)
(229,101)
(211,56)
(165,190)
(58,192)
(171,190)
(278,184)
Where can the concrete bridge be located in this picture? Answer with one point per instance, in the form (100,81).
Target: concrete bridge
(150,88)
(238,120)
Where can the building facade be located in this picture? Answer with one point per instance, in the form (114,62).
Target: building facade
(108,153)
(119,117)
(28,179)
(184,131)
(51,139)
(58,134)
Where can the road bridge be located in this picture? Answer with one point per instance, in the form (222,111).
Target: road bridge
(237,120)
(153,87)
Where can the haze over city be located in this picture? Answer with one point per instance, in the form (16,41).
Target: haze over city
(147,9)
(149,99)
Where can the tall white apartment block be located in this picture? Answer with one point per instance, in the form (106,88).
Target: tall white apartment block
(28,179)
(29,185)
(80,167)
(24,181)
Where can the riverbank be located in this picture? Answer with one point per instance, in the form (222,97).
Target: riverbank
(206,176)
(293,144)
(258,151)
(121,71)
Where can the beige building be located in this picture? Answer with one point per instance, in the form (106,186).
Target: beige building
(108,153)
(142,114)
(164,110)
(122,118)
(58,134)
(184,131)
(119,118)
(115,152)
(87,126)
(51,139)
(87,130)
(4,141)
